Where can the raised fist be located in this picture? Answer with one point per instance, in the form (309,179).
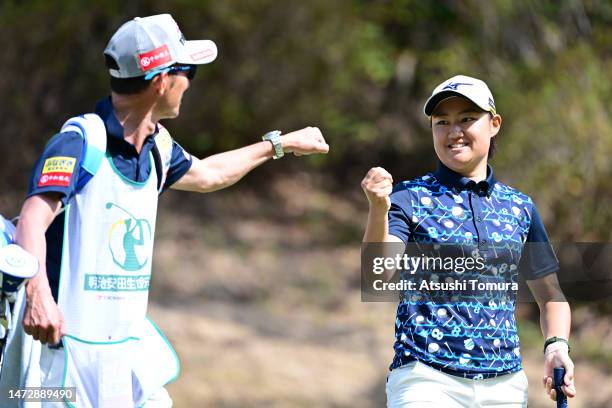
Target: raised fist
(377,186)
(305,141)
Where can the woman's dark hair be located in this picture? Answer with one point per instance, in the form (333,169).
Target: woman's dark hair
(492,147)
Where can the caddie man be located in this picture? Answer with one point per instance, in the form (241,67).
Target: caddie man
(90,219)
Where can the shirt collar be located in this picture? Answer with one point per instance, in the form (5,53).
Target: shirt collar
(456,181)
(104,109)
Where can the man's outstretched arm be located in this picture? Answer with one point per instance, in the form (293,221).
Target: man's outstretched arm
(224,169)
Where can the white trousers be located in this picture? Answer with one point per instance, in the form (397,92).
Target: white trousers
(416,385)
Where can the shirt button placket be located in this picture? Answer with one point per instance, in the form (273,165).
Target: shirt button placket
(478,220)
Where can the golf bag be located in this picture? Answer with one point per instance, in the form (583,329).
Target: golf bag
(16,266)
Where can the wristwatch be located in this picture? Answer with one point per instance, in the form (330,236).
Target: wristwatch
(274,138)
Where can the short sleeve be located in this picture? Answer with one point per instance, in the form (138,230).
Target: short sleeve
(180,164)
(58,167)
(538,258)
(399,218)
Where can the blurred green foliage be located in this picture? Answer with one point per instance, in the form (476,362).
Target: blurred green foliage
(360,70)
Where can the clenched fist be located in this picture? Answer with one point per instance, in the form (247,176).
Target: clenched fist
(377,186)
(304,141)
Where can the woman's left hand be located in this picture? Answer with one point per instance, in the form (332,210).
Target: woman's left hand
(557,356)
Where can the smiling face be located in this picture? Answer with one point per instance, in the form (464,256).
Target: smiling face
(462,134)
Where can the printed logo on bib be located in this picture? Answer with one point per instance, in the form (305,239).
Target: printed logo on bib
(57,171)
(115,283)
(129,240)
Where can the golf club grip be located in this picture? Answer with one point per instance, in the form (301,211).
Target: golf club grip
(558,374)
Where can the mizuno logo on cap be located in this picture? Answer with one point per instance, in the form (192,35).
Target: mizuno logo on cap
(455,85)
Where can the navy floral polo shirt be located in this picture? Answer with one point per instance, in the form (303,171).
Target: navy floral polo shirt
(468,336)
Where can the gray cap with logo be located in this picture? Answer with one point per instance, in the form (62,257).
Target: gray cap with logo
(148,44)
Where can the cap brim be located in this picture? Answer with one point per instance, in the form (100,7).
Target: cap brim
(434,100)
(199,52)
(17,262)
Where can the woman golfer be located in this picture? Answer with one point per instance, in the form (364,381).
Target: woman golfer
(465,352)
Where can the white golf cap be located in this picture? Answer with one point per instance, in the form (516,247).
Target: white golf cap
(147,44)
(471,88)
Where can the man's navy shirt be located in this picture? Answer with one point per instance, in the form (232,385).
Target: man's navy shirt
(472,337)
(131,164)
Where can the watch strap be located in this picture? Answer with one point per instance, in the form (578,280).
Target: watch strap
(555,339)
(274,138)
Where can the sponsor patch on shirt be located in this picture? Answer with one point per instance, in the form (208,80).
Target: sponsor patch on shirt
(57,171)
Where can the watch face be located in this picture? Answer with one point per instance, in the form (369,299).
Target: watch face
(274,134)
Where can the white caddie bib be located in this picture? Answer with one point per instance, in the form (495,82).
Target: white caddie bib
(108,248)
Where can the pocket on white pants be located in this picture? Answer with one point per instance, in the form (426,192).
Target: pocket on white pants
(397,375)
(504,391)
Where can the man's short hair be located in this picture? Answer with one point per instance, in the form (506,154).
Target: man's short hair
(125,86)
